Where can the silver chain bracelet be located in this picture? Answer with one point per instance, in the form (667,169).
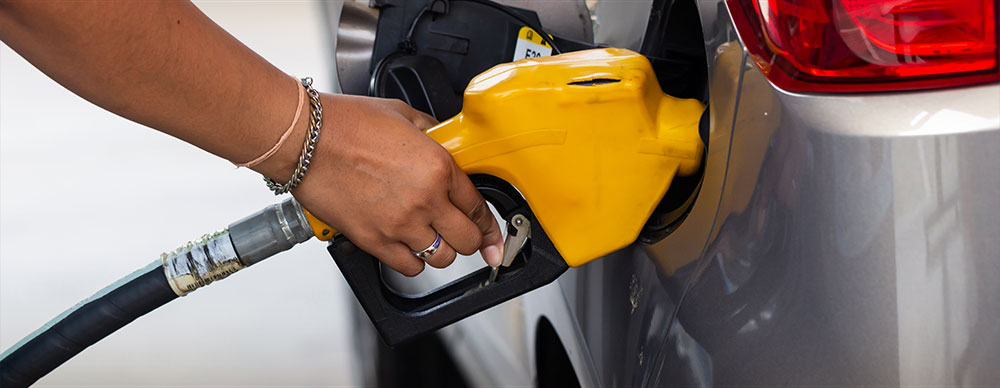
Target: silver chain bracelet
(308,148)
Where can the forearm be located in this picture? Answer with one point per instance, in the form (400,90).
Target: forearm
(163,64)
(375,176)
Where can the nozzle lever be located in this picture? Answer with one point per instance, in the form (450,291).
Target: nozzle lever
(518,233)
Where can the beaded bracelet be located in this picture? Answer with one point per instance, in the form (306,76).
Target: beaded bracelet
(308,147)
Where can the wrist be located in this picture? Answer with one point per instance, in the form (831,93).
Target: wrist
(281,165)
(309,145)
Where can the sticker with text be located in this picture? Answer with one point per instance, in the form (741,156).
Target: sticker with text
(530,45)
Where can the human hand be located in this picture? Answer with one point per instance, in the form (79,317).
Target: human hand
(375,176)
(379,180)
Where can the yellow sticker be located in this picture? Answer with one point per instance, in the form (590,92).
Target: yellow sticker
(530,45)
(530,35)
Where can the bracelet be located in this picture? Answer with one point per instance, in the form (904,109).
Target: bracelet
(308,147)
(284,136)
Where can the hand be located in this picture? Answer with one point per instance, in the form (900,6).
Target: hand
(379,180)
(375,176)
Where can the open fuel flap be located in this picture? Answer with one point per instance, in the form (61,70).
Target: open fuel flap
(575,151)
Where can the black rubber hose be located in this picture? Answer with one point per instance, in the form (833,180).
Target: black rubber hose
(84,326)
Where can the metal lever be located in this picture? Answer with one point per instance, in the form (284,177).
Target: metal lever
(518,233)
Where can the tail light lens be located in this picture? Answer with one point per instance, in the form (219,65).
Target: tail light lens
(870,45)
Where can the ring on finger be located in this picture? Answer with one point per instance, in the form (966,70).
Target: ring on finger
(426,253)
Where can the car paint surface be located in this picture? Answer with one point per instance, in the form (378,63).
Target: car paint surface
(853,243)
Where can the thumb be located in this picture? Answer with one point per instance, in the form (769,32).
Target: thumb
(467,199)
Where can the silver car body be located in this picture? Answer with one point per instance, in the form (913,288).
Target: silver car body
(837,239)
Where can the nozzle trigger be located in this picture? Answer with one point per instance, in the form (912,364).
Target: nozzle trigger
(518,233)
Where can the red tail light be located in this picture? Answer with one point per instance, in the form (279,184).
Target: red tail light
(870,45)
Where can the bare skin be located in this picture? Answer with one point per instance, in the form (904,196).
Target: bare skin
(375,177)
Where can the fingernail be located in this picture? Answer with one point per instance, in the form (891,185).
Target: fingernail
(492,255)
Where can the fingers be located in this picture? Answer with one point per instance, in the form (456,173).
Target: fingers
(457,229)
(444,256)
(466,198)
(424,238)
(398,257)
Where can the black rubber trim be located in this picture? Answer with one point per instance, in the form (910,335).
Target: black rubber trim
(83,327)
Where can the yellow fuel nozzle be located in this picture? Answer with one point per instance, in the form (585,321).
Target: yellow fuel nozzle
(587,137)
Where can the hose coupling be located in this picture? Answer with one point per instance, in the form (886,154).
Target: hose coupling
(274,229)
(246,242)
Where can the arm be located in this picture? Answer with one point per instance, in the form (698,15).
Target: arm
(375,177)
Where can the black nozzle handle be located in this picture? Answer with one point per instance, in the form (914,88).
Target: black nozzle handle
(400,317)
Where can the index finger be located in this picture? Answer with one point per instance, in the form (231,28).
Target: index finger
(465,197)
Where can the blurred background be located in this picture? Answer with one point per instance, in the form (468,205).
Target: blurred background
(87,197)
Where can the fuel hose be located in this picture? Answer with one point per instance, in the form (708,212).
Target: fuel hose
(197,264)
